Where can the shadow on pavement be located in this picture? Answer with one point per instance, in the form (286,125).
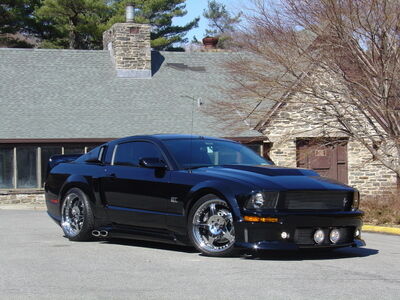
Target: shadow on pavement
(311,254)
(146,244)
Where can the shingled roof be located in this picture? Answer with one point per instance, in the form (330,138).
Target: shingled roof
(47,94)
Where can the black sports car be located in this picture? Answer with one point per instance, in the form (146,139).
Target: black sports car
(212,193)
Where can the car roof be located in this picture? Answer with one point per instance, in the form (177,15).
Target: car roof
(183,137)
(163,137)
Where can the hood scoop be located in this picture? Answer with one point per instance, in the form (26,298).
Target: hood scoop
(273,170)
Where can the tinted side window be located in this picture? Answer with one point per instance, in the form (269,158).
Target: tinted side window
(129,154)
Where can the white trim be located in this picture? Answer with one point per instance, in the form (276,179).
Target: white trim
(15,171)
(101,151)
(39,166)
(113,155)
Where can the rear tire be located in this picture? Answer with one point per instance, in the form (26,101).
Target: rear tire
(210,227)
(77,220)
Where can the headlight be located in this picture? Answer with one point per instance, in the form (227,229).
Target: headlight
(262,200)
(356,200)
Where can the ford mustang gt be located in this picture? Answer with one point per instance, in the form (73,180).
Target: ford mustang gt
(214,194)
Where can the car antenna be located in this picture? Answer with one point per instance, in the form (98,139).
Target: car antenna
(199,103)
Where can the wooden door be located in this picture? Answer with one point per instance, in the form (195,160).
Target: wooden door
(327,157)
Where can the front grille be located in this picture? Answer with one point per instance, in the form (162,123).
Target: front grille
(305,236)
(316,200)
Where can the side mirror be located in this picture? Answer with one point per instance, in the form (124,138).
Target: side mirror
(152,163)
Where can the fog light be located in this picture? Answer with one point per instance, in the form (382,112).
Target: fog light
(319,236)
(334,236)
(284,235)
(357,233)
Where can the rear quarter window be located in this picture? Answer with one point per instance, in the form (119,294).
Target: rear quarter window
(93,155)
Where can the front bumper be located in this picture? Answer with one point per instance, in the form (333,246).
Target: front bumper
(299,229)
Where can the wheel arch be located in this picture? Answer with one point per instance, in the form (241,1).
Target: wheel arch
(219,189)
(77,182)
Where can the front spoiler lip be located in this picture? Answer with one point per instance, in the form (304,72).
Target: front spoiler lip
(289,213)
(278,245)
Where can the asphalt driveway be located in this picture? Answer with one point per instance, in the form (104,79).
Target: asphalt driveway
(37,262)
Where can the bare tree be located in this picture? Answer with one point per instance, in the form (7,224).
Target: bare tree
(336,59)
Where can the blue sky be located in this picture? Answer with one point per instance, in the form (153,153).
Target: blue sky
(195,9)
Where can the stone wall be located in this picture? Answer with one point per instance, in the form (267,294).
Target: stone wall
(26,197)
(367,174)
(285,127)
(284,153)
(295,121)
(130,49)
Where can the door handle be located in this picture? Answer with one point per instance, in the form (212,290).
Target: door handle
(112,175)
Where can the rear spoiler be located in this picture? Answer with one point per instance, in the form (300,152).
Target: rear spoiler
(58,159)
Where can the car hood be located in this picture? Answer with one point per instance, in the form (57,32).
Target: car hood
(273,177)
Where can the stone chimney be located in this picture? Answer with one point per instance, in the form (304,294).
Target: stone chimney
(129,47)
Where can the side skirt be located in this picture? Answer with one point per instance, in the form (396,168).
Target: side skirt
(145,234)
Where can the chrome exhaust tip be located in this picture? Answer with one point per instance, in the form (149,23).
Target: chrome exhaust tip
(95,233)
(104,233)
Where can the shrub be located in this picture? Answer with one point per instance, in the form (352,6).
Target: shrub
(380,210)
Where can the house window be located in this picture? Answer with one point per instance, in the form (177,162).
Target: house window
(74,149)
(6,167)
(256,147)
(261,148)
(26,167)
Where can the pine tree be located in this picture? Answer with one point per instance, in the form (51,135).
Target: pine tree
(159,14)
(221,22)
(78,24)
(16,17)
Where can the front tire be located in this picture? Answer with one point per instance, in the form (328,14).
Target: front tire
(210,227)
(77,220)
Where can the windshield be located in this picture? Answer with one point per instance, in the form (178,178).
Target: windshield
(197,153)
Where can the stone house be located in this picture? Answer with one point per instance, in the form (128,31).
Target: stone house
(69,101)
(298,140)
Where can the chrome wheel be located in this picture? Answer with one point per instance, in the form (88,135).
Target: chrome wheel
(212,228)
(72,214)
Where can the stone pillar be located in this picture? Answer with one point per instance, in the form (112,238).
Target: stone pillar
(130,49)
